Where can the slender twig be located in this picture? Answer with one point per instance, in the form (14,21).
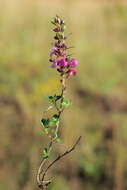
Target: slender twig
(61,156)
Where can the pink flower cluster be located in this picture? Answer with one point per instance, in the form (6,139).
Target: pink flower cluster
(58,54)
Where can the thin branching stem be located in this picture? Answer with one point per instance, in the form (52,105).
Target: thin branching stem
(43,162)
(61,156)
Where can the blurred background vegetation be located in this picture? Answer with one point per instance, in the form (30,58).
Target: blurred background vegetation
(98,92)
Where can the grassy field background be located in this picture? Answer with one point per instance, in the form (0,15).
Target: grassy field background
(98,92)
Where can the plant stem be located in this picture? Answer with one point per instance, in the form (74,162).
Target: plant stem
(40,170)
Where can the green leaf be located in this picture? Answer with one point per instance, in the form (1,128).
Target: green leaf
(51,123)
(54,98)
(43,132)
(60,36)
(58,97)
(53,131)
(46,131)
(66,103)
(63,27)
(45,153)
(45,123)
(55,117)
(51,98)
(58,140)
(54,120)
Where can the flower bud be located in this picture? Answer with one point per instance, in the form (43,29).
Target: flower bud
(57,20)
(56,38)
(50,60)
(74,63)
(63,27)
(72,72)
(58,54)
(56,29)
(62,22)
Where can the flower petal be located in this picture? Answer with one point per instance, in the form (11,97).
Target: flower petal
(74,63)
(62,62)
(72,72)
(54,65)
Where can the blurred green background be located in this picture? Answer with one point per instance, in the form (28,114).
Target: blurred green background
(98,92)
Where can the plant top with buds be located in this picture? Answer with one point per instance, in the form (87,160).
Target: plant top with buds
(59,57)
(65,65)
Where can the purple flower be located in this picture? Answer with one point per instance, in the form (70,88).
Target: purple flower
(52,51)
(54,65)
(62,62)
(72,72)
(74,63)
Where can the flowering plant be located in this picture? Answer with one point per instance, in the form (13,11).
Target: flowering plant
(65,65)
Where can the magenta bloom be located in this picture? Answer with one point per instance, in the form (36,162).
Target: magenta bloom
(74,63)
(59,57)
(54,65)
(72,72)
(52,51)
(62,62)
